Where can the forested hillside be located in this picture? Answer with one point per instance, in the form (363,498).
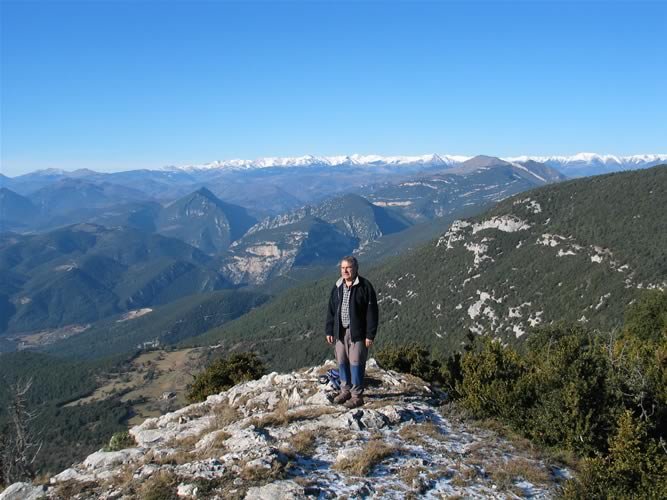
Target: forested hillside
(64,433)
(576,252)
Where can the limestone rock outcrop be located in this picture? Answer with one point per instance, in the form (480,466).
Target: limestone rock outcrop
(280,437)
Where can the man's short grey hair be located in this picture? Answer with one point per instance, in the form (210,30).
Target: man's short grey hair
(351,260)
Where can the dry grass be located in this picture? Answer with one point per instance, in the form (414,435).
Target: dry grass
(335,438)
(40,480)
(463,474)
(418,433)
(196,411)
(186,441)
(68,489)
(411,476)
(376,404)
(303,442)
(123,477)
(160,486)
(518,442)
(506,473)
(480,451)
(282,416)
(372,454)
(261,475)
(220,440)
(214,448)
(177,458)
(224,415)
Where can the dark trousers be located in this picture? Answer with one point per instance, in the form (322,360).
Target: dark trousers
(351,358)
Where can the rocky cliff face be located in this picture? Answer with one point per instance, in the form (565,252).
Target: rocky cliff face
(280,437)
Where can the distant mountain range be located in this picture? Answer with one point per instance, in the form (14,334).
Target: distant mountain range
(101,248)
(586,164)
(574,163)
(272,186)
(579,251)
(320,234)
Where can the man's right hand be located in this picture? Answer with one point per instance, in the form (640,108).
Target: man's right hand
(330,339)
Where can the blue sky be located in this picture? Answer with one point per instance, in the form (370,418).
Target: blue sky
(121,85)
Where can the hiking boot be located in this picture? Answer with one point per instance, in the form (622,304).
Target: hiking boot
(354,403)
(342,397)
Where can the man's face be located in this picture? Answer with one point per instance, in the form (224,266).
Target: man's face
(347,270)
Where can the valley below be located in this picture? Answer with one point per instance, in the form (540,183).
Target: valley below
(153,383)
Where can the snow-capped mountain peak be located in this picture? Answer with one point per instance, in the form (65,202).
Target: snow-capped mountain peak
(575,165)
(331,161)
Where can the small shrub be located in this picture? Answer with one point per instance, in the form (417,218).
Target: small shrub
(120,441)
(225,373)
(410,358)
(490,378)
(634,467)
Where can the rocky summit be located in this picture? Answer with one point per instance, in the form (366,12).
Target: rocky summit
(280,437)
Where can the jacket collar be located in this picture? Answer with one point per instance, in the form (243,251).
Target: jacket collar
(340,281)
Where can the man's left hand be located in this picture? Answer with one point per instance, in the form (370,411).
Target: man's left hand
(369,342)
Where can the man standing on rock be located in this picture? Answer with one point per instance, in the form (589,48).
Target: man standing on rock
(352,322)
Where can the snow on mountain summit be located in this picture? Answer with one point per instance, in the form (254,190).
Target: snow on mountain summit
(576,165)
(330,161)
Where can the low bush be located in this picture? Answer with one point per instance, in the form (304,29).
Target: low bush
(225,373)
(416,360)
(635,466)
(601,397)
(120,441)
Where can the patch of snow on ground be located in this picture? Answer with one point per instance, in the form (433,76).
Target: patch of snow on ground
(521,167)
(562,253)
(66,267)
(425,184)
(596,258)
(392,203)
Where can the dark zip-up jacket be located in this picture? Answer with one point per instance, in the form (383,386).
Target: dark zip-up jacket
(363,311)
